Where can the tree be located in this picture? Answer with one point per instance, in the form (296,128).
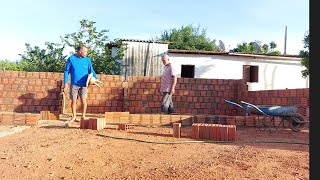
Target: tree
(52,58)
(188,38)
(100,54)
(249,48)
(244,47)
(305,55)
(9,65)
(36,59)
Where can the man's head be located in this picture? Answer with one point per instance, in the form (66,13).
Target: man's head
(165,59)
(82,51)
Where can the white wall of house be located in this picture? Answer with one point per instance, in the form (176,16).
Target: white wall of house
(274,72)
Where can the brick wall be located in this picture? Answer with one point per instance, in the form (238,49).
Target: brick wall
(40,91)
(192,96)
(29,91)
(107,98)
(298,97)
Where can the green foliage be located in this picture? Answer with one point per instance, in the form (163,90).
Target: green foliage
(52,58)
(305,55)
(249,48)
(244,47)
(275,52)
(100,54)
(36,59)
(188,38)
(9,65)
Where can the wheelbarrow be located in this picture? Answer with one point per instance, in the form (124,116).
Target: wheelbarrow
(289,113)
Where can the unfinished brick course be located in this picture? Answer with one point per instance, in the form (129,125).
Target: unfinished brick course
(11,118)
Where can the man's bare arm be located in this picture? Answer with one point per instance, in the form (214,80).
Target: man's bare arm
(174,83)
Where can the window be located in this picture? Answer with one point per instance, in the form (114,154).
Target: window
(187,71)
(251,73)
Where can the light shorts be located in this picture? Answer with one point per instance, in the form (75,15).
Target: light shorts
(75,90)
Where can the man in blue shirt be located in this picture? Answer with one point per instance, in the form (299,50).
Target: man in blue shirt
(78,66)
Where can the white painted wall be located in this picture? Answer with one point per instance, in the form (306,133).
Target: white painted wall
(273,74)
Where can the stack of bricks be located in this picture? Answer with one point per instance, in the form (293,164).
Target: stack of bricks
(47,115)
(155,119)
(93,123)
(176,130)
(117,117)
(165,119)
(134,118)
(126,127)
(145,119)
(9,118)
(215,132)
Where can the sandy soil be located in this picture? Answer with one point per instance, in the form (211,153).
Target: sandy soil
(51,151)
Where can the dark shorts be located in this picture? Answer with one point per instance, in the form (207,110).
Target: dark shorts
(75,90)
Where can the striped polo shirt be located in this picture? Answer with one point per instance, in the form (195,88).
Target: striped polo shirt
(166,79)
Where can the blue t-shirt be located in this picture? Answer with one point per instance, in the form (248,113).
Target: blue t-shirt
(79,68)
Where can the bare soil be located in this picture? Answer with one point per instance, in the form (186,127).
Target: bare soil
(51,151)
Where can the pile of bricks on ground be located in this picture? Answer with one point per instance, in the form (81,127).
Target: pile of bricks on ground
(11,118)
(93,123)
(216,132)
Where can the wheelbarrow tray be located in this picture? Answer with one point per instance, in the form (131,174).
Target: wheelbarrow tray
(274,110)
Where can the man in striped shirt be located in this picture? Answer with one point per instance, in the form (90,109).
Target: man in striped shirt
(167,85)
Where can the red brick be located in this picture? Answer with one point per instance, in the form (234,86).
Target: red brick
(19,119)
(218,132)
(177,130)
(250,121)
(32,119)
(230,120)
(240,121)
(84,123)
(206,131)
(201,130)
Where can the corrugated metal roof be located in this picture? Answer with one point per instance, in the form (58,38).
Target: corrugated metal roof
(197,52)
(146,41)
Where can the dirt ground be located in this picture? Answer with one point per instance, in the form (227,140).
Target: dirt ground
(51,151)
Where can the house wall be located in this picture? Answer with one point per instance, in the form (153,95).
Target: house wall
(273,74)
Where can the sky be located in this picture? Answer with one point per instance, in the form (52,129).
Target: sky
(232,21)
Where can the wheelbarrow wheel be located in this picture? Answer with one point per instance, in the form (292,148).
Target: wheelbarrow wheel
(294,122)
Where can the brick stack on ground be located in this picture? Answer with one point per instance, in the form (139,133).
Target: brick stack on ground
(93,123)
(216,132)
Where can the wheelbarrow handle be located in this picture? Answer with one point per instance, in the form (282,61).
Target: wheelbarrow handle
(236,104)
(255,107)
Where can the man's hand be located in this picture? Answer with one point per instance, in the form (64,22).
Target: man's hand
(172,91)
